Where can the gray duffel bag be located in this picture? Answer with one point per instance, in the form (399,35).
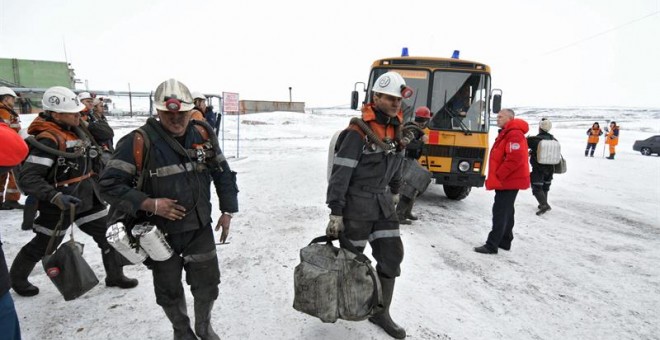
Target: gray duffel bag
(333,283)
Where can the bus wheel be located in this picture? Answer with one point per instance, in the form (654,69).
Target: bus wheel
(456,192)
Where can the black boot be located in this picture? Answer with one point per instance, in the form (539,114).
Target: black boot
(12,205)
(401,209)
(178,315)
(29,213)
(383,318)
(586,152)
(543,202)
(19,272)
(203,326)
(408,214)
(112,261)
(611,156)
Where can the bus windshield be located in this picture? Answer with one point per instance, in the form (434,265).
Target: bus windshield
(459,101)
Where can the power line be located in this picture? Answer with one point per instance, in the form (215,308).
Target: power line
(599,34)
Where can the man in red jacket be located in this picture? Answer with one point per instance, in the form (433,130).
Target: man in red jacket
(508,172)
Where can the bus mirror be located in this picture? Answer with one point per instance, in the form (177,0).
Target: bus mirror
(355,97)
(497,103)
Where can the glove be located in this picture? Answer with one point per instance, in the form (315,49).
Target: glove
(64,202)
(395,199)
(335,226)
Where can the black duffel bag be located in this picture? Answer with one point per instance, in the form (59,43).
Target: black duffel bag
(66,268)
(333,283)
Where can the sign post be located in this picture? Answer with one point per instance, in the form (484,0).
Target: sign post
(230,103)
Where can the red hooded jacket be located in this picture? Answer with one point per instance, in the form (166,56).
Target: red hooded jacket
(508,167)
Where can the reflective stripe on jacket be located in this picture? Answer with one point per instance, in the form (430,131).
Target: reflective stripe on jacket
(361,173)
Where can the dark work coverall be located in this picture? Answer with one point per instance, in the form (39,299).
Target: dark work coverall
(169,174)
(357,190)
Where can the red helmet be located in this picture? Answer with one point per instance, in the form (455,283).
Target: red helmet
(423,112)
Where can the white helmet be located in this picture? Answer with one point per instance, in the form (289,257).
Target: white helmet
(172,95)
(391,83)
(4,90)
(62,100)
(84,95)
(198,95)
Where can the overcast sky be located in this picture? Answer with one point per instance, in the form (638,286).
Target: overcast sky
(546,52)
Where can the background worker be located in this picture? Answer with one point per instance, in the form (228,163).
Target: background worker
(541,176)
(9,194)
(414,183)
(198,112)
(361,208)
(593,133)
(612,139)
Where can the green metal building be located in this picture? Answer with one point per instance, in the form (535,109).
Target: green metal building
(23,74)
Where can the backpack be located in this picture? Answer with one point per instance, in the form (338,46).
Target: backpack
(548,151)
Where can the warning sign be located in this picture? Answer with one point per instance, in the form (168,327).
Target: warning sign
(230,102)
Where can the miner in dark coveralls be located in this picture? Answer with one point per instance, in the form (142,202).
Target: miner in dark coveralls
(182,161)
(364,185)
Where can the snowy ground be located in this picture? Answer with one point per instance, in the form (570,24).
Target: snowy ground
(586,270)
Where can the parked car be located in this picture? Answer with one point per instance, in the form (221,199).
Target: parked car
(648,146)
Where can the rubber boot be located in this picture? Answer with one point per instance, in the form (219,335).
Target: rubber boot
(19,272)
(408,214)
(586,152)
(611,156)
(112,261)
(383,318)
(13,205)
(591,154)
(543,202)
(203,326)
(29,213)
(178,315)
(401,209)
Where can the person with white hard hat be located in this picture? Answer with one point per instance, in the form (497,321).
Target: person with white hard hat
(364,185)
(185,158)
(10,194)
(61,172)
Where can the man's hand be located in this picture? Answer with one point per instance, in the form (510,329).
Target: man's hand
(164,207)
(395,199)
(223,222)
(64,202)
(335,226)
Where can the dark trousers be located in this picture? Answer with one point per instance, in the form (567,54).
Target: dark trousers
(541,178)
(591,146)
(385,241)
(503,219)
(195,252)
(92,222)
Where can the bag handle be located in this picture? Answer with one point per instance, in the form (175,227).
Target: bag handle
(58,227)
(346,243)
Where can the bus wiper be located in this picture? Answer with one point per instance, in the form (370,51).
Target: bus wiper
(462,125)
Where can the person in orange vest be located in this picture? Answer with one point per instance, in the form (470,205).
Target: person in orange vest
(58,182)
(200,106)
(9,197)
(612,139)
(594,132)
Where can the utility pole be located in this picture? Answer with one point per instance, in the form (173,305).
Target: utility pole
(289,94)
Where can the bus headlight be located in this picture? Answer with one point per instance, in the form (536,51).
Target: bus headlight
(464,166)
